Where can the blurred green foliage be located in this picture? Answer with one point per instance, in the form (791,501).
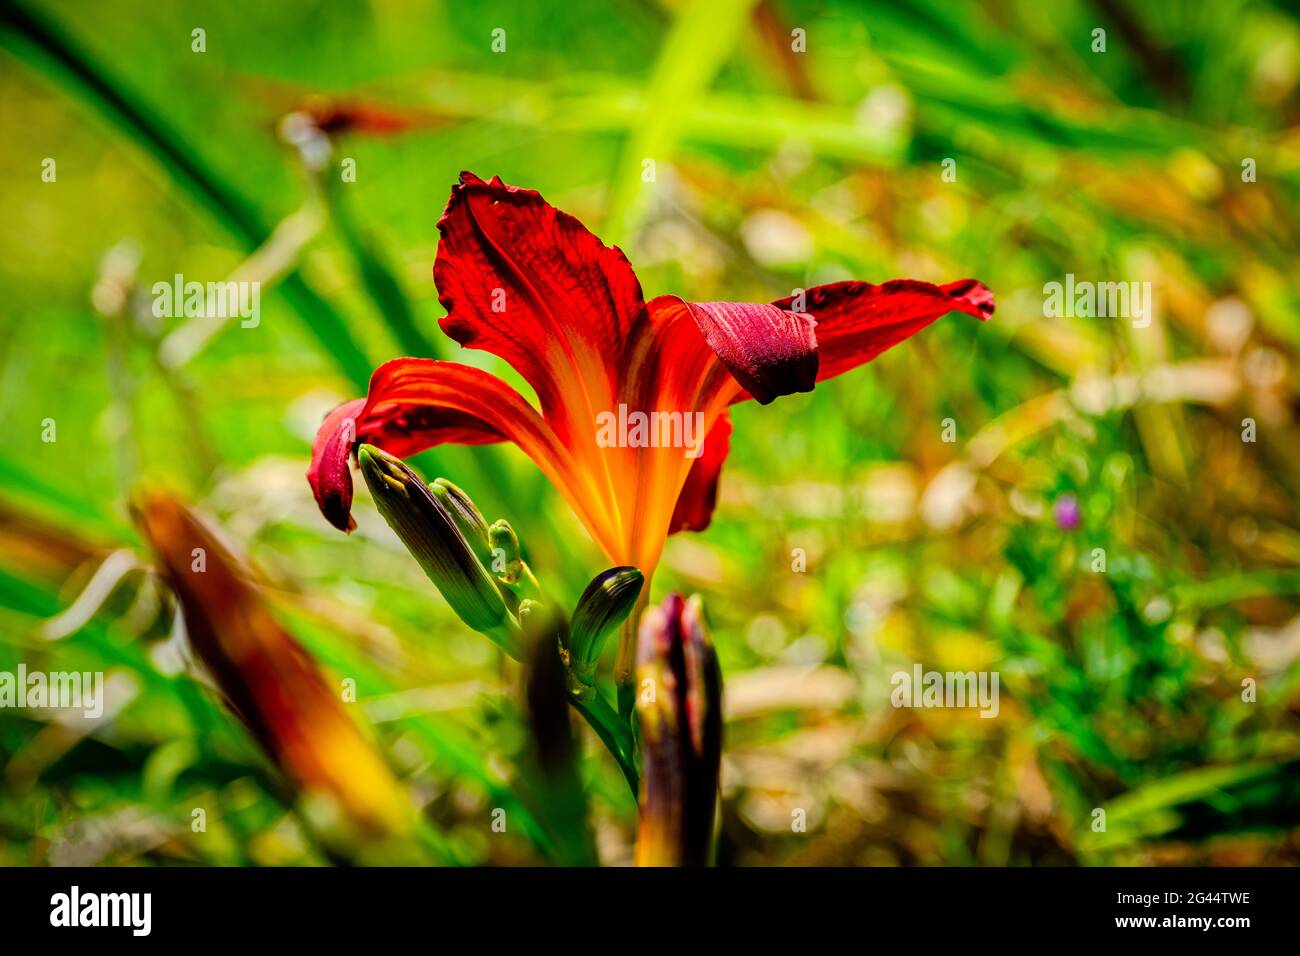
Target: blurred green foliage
(1123,690)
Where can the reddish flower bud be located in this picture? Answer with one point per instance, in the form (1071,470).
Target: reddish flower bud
(679,699)
(270,682)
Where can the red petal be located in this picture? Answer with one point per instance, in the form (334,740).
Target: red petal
(415,404)
(401,431)
(331,481)
(670,367)
(530,284)
(406,430)
(770,351)
(695,504)
(856,321)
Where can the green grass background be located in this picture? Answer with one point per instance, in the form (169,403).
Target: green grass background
(1121,691)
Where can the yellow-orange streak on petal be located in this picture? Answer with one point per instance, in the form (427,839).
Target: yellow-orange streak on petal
(670,368)
(475,392)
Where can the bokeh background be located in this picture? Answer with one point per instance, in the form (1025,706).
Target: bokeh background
(1164,690)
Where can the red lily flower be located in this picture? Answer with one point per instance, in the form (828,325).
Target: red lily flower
(530,284)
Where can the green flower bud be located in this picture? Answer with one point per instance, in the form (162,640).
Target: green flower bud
(604,605)
(430,532)
(506,561)
(469,520)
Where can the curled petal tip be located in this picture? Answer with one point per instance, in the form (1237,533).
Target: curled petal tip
(329,475)
(977,299)
(769,350)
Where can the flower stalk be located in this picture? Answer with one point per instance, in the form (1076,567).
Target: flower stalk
(605,604)
(479,569)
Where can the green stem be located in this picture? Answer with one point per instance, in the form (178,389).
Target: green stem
(614,732)
(625,660)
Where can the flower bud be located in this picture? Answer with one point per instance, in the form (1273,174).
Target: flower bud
(604,605)
(679,700)
(431,533)
(271,683)
(506,560)
(469,520)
